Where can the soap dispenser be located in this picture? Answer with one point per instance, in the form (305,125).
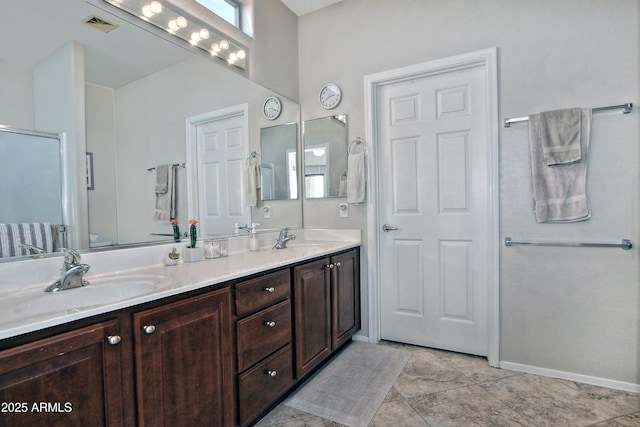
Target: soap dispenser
(254,242)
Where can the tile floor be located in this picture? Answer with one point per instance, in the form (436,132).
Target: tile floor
(439,388)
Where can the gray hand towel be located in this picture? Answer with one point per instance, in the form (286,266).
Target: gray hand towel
(559,192)
(166,202)
(560,132)
(162,178)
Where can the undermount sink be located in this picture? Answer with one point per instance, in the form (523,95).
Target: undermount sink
(105,290)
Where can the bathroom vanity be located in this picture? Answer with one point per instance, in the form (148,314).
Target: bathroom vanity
(207,352)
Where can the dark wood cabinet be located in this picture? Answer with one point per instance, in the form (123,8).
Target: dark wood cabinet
(71,379)
(312,296)
(345,297)
(263,336)
(184,363)
(219,356)
(327,307)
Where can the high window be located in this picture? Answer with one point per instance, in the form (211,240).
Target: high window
(229,10)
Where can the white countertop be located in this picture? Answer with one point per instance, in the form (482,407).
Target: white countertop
(26,307)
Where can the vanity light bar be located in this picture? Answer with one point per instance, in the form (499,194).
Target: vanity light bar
(172,20)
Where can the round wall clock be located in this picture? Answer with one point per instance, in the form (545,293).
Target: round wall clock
(271,108)
(330,96)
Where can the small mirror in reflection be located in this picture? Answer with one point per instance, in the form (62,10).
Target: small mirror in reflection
(325,157)
(278,167)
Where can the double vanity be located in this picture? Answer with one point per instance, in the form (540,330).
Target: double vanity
(212,343)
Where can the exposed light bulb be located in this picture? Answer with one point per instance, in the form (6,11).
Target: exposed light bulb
(195,38)
(156,7)
(181,21)
(173,25)
(242,54)
(224,45)
(215,48)
(232,58)
(146,11)
(204,34)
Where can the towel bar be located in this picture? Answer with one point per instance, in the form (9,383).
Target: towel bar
(625,245)
(626,107)
(175,165)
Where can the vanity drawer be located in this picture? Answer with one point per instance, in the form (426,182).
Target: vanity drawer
(262,291)
(264,383)
(263,333)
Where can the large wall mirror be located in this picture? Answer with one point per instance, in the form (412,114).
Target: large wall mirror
(125,97)
(325,157)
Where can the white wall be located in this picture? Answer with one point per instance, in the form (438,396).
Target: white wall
(101,141)
(572,310)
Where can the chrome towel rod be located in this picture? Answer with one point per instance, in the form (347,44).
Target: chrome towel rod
(626,244)
(175,165)
(626,107)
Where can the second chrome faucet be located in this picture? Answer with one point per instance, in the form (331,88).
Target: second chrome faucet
(283,238)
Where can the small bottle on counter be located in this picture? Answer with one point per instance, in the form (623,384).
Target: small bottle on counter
(254,242)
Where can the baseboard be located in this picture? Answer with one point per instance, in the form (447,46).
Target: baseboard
(360,338)
(586,379)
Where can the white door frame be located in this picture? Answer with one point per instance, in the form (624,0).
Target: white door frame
(486,58)
(192,144)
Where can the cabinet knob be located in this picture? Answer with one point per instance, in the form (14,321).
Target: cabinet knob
(338,264)
(269,289)
(114,339)
(270,324)
(329,265)
(149,329)
(272,373)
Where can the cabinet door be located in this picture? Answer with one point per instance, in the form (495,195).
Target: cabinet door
(345,291)
(184,364)
(71,379)
(312,301)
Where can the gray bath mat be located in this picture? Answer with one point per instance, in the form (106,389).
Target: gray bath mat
(351,388)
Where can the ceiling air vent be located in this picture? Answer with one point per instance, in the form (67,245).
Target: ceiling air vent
(100,24)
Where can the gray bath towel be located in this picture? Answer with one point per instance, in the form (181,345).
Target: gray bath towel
(559,192)
(166,202)
(560,132)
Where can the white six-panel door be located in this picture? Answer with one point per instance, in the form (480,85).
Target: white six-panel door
(216,150)
(434,211)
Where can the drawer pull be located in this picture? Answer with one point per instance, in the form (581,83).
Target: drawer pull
(269,289)
(149,329)
(272,373)
(114,339)
(270,324)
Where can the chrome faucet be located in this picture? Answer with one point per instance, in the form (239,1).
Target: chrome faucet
(283,238)
(72,272)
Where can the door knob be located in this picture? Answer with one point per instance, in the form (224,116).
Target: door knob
(387,228)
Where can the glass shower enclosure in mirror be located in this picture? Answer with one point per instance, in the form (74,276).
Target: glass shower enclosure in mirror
(278,166)
(325,157)
(32,219)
